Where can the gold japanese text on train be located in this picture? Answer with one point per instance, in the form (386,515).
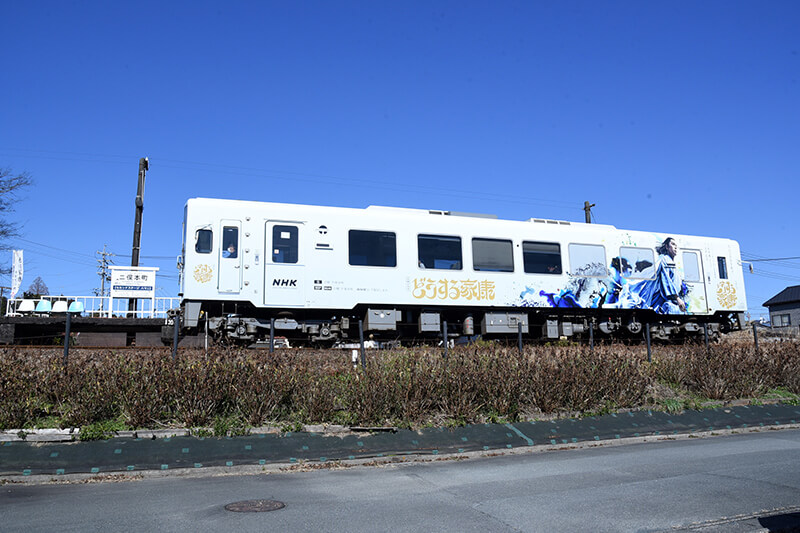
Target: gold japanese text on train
(453,289)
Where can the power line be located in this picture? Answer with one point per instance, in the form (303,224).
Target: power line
(82,255)
(781,262)
(62,250)
(365,182)
(312,177)
(398,187)
(774,259)
(164,257)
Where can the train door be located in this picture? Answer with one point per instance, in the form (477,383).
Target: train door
(283,265)
(694,278)
(230,257)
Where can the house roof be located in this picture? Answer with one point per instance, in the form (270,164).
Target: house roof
(786,296)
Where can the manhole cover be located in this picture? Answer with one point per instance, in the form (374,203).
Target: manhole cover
(255,506)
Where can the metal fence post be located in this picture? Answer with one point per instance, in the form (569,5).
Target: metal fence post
(755,335)
(705,334)
(647,336)
(361,340)
(66,339)
(175,330)
(271,335)
(519,336)
(205,340)
(591,335)
(444,336)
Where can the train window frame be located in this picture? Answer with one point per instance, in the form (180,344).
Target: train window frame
(479,266)
(722,267)
(542,261)
(687,271)
(371,245)
(198,248)
(434,255)
(573,247)
(285,248)
(648,273)
(227,241)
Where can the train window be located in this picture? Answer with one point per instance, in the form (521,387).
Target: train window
(691,267)
(635,263)
(203,241)
(723,268)
(492,255)
(284,244)
(373,248)
(230,242)
(587,260)
(541,257)
(439,252)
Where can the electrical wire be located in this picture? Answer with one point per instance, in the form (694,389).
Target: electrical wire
(783,262)
(301,176)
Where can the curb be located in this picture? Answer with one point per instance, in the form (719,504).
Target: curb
(73,434)
(371,462)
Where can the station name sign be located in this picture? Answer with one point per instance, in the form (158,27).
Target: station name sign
(133,282)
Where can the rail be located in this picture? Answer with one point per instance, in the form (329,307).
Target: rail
(92,306)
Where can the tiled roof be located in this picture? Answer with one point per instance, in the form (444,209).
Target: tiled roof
(786,296)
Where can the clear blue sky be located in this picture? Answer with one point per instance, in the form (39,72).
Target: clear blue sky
(677,117)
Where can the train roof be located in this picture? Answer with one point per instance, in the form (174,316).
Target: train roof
(406,211)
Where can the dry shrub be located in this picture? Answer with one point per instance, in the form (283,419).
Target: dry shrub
(262,386)
(18,389)
(320,379)
(396,387)
(576,379)
(493,382)
(728,371)
(84,391)
(788,361)
(408,387)
(201,387)
(503,376)
(142,385)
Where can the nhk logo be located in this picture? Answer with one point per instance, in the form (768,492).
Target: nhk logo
(284,283)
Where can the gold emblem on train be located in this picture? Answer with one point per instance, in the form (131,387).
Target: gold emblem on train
(726,294)
(203,273)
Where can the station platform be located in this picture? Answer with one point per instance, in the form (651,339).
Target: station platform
(40,329)
(39,320)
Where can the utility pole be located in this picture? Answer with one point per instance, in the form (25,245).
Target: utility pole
(144,166)
(587,209)
(102,270)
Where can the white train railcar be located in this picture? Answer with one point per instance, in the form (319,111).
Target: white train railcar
(313,272)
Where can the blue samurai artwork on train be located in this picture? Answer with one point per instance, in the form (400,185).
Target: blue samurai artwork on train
(622,286)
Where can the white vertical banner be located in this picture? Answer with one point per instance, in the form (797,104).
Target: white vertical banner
(16,273)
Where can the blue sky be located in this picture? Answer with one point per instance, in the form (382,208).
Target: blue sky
(676,117)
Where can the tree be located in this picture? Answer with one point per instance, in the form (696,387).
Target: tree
(37,289)
(11,184)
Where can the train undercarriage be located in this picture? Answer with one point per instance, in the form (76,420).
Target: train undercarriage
(243,324)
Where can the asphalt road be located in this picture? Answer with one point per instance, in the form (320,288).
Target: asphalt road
(742,482)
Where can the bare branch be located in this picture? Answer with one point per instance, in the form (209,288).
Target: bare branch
(11,185)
